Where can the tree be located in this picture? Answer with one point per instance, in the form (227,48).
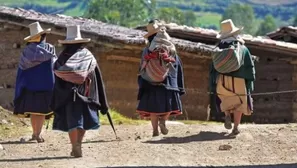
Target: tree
(267,25)
(175,15)
(190,18)
(129,13)
(242,15)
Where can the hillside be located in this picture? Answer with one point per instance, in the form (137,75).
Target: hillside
(209,12)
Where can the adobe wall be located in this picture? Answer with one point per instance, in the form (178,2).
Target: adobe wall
(119,68)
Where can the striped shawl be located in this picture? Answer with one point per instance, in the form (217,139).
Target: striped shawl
(77,68)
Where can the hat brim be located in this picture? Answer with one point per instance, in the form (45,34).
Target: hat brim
(236,31)
(151,33)
(42,32)
(84,40)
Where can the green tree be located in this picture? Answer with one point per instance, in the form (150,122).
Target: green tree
(242,15)
(267,25)
(129,13)
(175,15)
(190,18)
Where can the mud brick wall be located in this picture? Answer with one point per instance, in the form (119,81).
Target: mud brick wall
(274,73)
(119,69)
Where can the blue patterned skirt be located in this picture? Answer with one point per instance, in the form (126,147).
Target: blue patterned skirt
(76,115)
(160,101)
(33,102)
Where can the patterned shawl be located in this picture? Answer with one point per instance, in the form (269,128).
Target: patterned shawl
(77,68)
(35,54)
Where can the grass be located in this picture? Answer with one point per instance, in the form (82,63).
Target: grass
(49,3)
(119,119)
(15,126)
(207,19)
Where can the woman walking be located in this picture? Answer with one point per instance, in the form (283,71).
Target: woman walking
(79,90)
(35,80)
(159,100)
(233,88)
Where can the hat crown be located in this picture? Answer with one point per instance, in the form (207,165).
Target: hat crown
(73,32)
(35,28)
(227,26)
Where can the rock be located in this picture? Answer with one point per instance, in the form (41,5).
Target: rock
(1,147)
(225,147)
(22,140)
(4,121)
(137,137)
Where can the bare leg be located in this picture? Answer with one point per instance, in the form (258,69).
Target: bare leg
(237,120)
(162,123)
(228,123)
(80,135)
(76,150)
(33,124)
(154,121)
(37,123)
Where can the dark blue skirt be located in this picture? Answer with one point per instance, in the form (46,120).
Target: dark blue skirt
(76,115)
(33,102)
(158,100)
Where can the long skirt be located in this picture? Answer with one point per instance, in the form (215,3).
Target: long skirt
(33,102)
(76,115)
(232,94)
(160,101)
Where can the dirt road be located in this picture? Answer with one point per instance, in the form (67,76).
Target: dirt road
(186,146)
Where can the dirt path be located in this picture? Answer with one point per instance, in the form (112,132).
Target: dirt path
(186,145)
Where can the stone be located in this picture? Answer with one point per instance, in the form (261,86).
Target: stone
(225,147)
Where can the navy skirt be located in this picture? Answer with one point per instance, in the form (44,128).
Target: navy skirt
(33,102)
(76,115)
(160,101)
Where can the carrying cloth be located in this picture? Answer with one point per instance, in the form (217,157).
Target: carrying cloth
(35,54)
(158,61)
(228,59)
(78,67)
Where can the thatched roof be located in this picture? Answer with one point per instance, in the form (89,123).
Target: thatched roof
(208,36)
(288,30)
(99,32)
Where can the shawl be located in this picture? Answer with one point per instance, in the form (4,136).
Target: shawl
(35,54)
(77,68)
(35,71)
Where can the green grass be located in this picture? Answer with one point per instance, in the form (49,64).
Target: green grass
(49,3)
(119,119)
(207,19)
(15,127)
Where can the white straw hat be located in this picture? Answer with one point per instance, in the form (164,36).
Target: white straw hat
(35,30)
(228,29)
(74,36)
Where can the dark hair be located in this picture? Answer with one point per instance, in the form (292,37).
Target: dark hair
(151,37)
(154,20)
(70,49)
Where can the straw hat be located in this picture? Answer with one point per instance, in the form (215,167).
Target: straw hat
(153,28)
(36,30)
(73,36)
(228,29)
